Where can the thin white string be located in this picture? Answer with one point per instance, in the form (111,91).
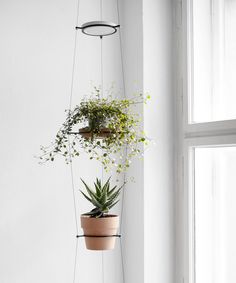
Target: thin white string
(124,93)
(74,55)
(73,193)
(75,260)
(70,105)
(101,48)
(101,67)
(101,16)
(121,49)
(122,261)
(71,166)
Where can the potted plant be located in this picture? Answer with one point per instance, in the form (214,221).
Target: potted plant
(103,128)
(100,228)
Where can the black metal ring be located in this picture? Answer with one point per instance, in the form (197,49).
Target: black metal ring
(98,236)
(99,24)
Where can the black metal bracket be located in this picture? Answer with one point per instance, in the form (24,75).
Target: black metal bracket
(112,26)
(98,236)
(97,25)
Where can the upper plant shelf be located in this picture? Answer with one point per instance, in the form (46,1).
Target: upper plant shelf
(88,134)
(99,28)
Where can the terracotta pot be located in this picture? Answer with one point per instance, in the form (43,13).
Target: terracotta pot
(105,226)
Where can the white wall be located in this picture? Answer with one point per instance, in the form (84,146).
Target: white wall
(149,202)
(159,159)
(37,232)
(133,230)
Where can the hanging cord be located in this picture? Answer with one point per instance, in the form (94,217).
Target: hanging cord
(101,48)
(70,105)
(122,261)
(121,48)
(75,260)
(74,55)
(102,92)
(75,214)
(74,199)
(124,93)
(71,166)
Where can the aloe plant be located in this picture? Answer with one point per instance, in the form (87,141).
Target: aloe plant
(103,197)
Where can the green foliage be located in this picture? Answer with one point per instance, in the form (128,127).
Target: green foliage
(115,150)
(102,197)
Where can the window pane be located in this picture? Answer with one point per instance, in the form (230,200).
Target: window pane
(215,215)
(213,60)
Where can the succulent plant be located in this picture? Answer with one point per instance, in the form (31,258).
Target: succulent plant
(103,197)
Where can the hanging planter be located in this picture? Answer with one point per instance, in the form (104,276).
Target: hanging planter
(102,128)
(100,228)
(100,233)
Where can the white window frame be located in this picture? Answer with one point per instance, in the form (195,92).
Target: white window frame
(188,197)
(189,136)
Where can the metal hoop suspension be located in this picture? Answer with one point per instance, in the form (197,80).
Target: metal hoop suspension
(98,28)
(114,28)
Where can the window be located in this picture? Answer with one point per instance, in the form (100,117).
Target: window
(206,155)
(213,60)
(215,214)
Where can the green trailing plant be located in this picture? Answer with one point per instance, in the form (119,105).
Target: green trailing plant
(103,197)
(116,116)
